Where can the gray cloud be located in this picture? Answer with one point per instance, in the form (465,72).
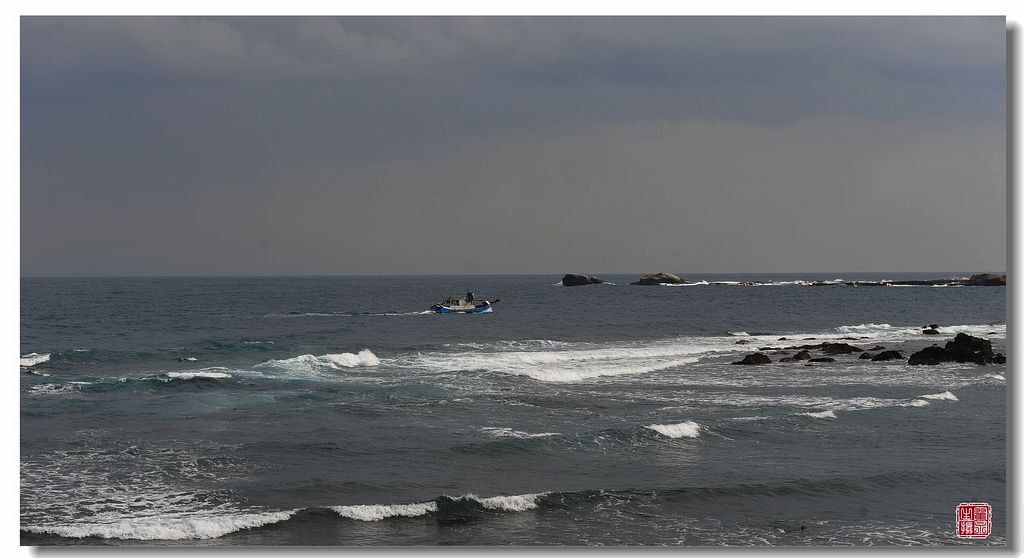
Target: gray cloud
(325,145)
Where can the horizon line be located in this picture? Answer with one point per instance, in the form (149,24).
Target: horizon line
(324,275)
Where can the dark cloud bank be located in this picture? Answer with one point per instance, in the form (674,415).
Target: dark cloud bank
(182,146)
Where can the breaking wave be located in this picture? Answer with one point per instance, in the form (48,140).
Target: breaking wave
(820,415)
(33,359)
(312,363)
(197,374)
(688,429)
(944,396)
(468,502)
(499,432)
(162,527)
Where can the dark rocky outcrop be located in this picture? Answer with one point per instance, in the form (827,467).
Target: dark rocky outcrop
(839,349)
(743,342)
(963,348)
(770,348)
(887,355)
(986,280)
(930,355)
(570,280)
(999,359)
(930,331)
(754,358)
(967,348)
(658,278)
(822,359)
(866,356)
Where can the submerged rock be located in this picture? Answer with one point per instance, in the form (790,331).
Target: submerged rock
(866,356)
(754,358)
(999,359)
(839,349)
(802,355)
(570,280)
(822,359)
(658,278)
(930,331)
(887,355)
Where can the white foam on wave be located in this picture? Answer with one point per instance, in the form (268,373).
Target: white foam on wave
(999,377)
(820,414)
(323,363)
(197,374)
(739,333)
(520,502)
(375,512)
(944,396)
(33,359)
(163,527)
(688,429)
(378,512)
(500,432)
(53,389)
(916,403)
(565,365)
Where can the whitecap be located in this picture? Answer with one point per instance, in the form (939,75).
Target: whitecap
(521,502)
(307,363)
(375,512)
(159,527)
(688,429)
(33,359)
(197,374)
(500,432)
(944,396)
(821,414)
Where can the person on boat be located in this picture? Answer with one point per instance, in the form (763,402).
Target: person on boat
(469,296)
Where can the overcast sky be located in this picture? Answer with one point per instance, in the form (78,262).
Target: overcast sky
(296,146)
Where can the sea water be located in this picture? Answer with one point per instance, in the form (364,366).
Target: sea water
(340,411)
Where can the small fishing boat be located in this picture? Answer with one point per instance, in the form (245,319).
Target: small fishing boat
(465,305)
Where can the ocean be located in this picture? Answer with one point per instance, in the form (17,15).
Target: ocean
(340,411)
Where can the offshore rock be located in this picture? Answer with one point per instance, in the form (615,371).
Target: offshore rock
(930,356)
(963,348)
(570,280)
(887,355)
(754,358)
(967,348)
(986,280)
(658,278)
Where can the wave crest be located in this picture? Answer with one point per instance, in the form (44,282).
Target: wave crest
(33,359)
(688,429)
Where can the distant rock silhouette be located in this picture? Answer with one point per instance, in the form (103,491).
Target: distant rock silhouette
(658,278)
(570,280)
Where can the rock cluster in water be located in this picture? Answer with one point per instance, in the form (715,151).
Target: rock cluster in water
(963,348)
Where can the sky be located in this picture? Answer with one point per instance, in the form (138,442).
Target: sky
(336,146)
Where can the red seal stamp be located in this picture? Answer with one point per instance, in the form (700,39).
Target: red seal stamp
(973,521)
